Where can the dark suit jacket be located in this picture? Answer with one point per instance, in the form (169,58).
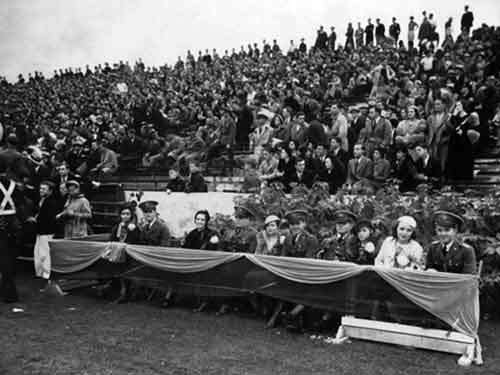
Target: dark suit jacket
(432,169)
(359,169)
(196,183)
(344,249)
(306,179)
(335,178)
(342,156)
(46,222)
(460,258)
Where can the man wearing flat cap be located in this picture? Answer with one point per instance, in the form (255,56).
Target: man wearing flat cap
(448,254)
(344,246)
(154,231)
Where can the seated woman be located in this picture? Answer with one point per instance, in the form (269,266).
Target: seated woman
(202,238)
(333,173)
(270,241)
(398,251)
(126,231)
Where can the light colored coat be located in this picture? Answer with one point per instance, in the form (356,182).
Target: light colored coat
(76,213)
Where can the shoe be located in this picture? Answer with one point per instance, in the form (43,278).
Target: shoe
(202,307)
(224,309)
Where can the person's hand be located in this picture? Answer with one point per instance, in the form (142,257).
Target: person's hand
(168,191)
(70,212)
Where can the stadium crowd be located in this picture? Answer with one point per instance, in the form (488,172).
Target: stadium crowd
(374,110)
(354,116)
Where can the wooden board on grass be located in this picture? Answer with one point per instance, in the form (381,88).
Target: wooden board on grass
(402,334)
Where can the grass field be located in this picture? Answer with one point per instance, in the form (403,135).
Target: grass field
(82,334)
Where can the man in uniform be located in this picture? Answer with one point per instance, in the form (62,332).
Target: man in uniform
(301,244)
(154,231)
(343,247)
(448,254)
(10,202)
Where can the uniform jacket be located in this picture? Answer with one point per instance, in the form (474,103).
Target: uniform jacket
(156,234)
(344,249)
(460,258)
(301,245)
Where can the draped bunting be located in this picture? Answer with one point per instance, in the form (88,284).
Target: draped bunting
(453,298)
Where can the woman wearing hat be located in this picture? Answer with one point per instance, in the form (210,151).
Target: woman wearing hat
(270,241)
(76,212)
(448,254)
(401,250)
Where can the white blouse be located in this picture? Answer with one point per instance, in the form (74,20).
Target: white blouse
(397,255)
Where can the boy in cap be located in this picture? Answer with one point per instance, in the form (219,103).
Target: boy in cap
(448,254)
(301,244)
(154,231)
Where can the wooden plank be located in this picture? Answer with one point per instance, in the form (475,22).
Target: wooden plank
(401,334)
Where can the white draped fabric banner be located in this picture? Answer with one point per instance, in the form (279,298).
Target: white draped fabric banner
(454,298)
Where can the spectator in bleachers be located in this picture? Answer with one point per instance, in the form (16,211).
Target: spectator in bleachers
(196,182)
(467,20)
(404,171)
(302,176)
(381,168)
(377,131)
(175,182)
(428,169)
(107,159)
(268,166)
(298,132)
(339,126)
(333,172)
(439,131)
(337,151)
(359,169)
(286,165)
(411,129)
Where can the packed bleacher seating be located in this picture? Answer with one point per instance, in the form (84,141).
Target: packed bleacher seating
(375,110)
